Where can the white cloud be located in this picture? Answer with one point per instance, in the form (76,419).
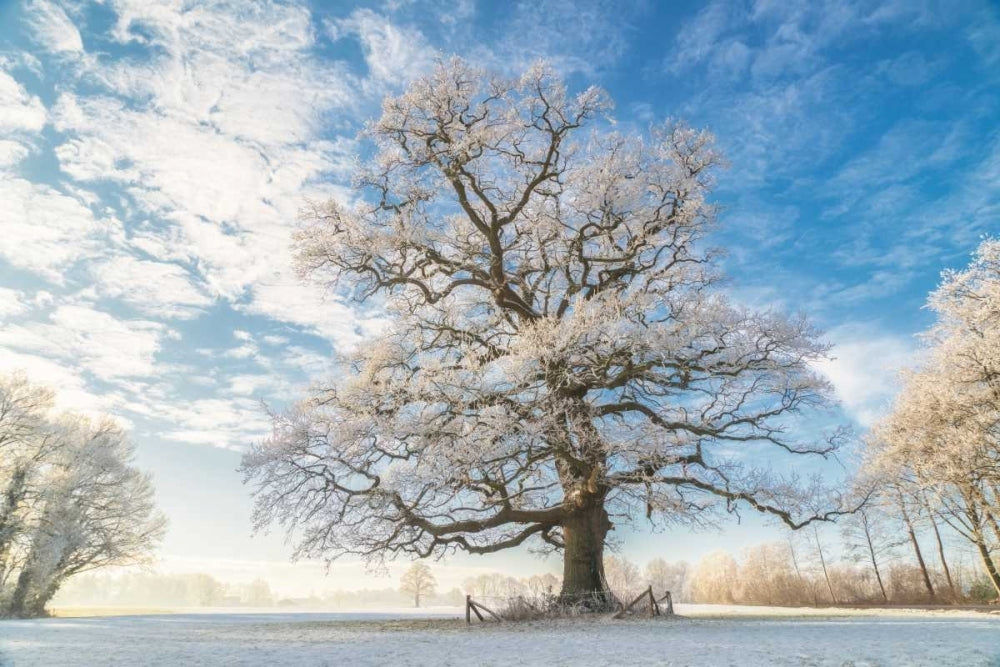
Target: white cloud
(702,37)
(91,340)
(45,231)
(865,367)
(19,110)
(256,385)
(12,152)
(394,54)
(230,422)
(275,339)
(11,303)
(72,392)
(154,288)
(174,163)
(52,28)
(218,142)
(309,307)
(585,36)
(245,351)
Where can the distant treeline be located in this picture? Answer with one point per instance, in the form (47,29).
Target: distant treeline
(153,589)
(809,568)
(801,571)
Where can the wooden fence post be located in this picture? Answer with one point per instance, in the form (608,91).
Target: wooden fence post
(625,609)
(468,609)
(669,599)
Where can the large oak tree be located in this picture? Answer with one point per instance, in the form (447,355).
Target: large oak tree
(557,358)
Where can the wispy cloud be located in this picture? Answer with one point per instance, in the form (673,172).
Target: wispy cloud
(865,369)
(46,231)
(393,53)
(52,28)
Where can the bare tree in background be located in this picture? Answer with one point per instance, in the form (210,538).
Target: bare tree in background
(558,354)
(714,578)
(418,581)
(823,565)
(868,536)
(622,576)
(665,576)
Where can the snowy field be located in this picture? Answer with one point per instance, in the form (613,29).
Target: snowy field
(705,635)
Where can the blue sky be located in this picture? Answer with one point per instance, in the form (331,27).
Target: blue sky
(153,156)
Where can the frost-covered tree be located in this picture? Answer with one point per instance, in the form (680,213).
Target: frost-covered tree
(542,584)
(25,442)
(257,593)
(622,576)
(664,576)
(494,584)
(72,499)
(418,581)
(942,438)
(557,355)
(715,579)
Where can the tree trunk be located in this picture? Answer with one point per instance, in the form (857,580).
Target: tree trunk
(583,558)
(871,553)
(916,545)
(806,586)
(991,569)
(16,604)
(979,539)
(822,562)
(940,547)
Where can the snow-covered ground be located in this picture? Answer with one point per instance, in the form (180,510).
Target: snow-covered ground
(706,635)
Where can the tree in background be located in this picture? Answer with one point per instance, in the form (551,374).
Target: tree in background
(71,499)
(665,576)
(868,536)
(941,442)
(558,351)
(540,585)
(257,593)
(418,581)
(495,584)
(714,578)
(623,577)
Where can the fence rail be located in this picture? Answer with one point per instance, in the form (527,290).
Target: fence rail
(654,604)
(471,606)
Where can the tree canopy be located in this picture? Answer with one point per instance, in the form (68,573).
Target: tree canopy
(558,352)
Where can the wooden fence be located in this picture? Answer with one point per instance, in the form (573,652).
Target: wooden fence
(477,608)
(654,604)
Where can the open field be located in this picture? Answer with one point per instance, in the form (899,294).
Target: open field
(703,635)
